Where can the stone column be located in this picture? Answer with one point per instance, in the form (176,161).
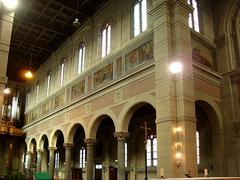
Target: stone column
(51,161)
(174,96)
(6,23)
(29,160)
(121,137)
(39,160)
(68,154)
(90,156)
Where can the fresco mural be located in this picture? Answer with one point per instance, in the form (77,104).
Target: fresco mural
(59,100)
(46,107)
(78,89)
(118,66)
(103,75)
(139,55)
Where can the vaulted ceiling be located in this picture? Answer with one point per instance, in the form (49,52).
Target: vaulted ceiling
(40,27)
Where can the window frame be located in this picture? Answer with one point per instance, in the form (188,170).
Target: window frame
(192,18)
(81,61)
(48,83)
(151,153)
(82,157)
(62,71)
(106,42)
(141,29)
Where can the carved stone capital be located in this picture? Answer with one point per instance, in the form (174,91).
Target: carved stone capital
(90,141)
(39,150)
(121,136)
(68,146)
(52,148)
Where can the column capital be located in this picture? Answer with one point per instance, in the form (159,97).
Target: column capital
(29,152)
(68,145)
(90,141)
(121,136)
(52,148)
(39,150)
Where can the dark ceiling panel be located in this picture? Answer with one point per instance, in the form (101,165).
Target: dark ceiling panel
(40,27)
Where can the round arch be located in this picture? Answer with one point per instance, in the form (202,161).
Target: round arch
(30,144)
(41,140)
(130,108)
(54,135)
(212,108)
(97,119)
(72,130)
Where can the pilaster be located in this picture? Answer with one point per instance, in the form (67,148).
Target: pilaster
(174,94)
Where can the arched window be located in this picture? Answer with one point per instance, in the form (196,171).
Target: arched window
(82,158)
(62,72)
(126,155)
(194,16)
(48,83)
(37,87)
(139,17)
(198,147)
(81,58)
(106,39)
(57,160)
(152,151)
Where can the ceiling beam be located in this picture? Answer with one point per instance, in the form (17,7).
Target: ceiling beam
(40,24)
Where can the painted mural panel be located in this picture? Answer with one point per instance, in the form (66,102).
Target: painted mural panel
(146,51)
(46,107)
(34,114)
(59,100)
(118,66)
(78,90)
(139,55)
(103,75)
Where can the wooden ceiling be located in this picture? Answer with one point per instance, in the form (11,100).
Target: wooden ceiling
(40,27)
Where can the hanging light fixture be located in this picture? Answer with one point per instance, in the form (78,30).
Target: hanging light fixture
(76,22)
(29,74)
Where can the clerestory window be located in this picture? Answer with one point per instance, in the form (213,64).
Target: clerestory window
(106,40)
(81,58)
(193,20)
(139,17)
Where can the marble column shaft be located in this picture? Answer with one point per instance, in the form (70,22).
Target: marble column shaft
(121,137)
(51,161)
(90,156)
(39,160)
(68,154)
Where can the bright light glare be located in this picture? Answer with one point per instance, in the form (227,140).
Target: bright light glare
(10,4)
(6,91)
(175,67)
(29,74)
(178,155)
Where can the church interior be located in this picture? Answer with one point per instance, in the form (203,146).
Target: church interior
(119,89)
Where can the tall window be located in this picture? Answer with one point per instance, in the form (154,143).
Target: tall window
(82,158)
(62,72)
(28,98)
(198,147)
(37,92)
(193,20)
(126,155)
(57,160)
(152,151)
(139,17)
(98,166)
(81,58)
(106,39)
(48,83)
